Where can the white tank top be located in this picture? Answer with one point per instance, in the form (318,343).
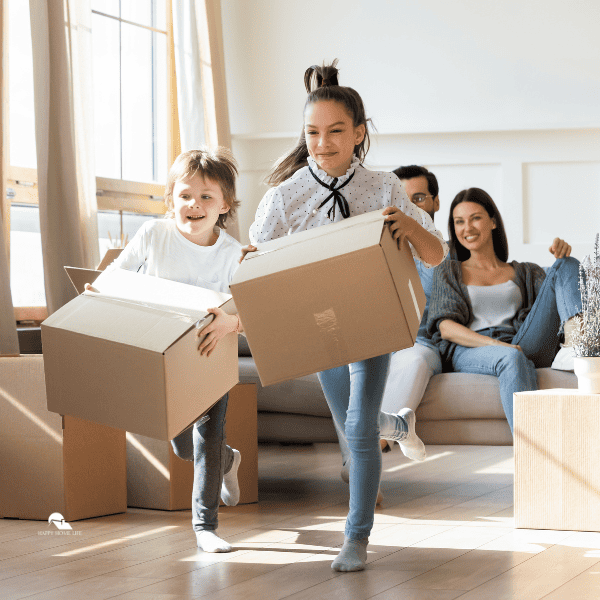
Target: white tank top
(494,305)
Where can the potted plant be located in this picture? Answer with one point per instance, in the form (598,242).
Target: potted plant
(586,340)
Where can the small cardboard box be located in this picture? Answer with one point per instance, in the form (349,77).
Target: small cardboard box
(127,357)
(51,464)
(327,297)
(557,445)
(158,479)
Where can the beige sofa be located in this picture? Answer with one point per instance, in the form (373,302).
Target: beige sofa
(457,408)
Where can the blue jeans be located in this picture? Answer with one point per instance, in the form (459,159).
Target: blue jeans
(409,373)
(558,300)
(204,443)
(354,393)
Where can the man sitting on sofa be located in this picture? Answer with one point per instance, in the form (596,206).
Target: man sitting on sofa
(411,368)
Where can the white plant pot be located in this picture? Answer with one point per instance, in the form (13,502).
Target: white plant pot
(587,369)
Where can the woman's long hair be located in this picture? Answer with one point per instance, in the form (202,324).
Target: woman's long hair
(478,196)
(321,83)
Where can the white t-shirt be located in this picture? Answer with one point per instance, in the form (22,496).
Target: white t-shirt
(159,249)
(294,204)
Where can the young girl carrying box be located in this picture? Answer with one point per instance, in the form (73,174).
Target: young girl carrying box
(322,180)
(192,247)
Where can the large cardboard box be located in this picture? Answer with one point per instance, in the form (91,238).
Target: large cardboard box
(127,356)
(328,296)
(158,479)
(51,464)
(557,450)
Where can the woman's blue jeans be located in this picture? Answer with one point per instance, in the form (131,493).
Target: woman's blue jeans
(354,394)
(204,443)
(558,300)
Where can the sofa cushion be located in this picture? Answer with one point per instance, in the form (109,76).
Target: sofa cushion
(302,396)
(470,396)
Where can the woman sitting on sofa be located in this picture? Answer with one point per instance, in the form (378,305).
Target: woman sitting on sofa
(493,317)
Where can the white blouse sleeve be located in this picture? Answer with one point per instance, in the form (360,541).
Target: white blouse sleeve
(400,200)
(269,222)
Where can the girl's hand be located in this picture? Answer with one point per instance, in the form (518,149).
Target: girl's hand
(560,248)
(400,224)
(245,250)
(220,326)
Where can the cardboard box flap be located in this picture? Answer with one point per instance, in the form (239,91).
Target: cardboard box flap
(162,294)
(320,243)
(111,255)
(79,277)
(121,322)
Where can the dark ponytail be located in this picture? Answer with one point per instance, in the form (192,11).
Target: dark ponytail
(321,83)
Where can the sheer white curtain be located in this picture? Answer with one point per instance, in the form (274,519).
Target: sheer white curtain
(9,343)
(200,74)
(62,69)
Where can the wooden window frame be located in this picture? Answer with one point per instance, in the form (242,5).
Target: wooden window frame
(111,194)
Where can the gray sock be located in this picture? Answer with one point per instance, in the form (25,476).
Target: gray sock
(352,556)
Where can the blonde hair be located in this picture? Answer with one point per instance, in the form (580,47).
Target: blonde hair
(216,164)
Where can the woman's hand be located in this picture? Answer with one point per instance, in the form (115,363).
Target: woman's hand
(245,250)
(500,343)
(88,288)
(220,326)
(463,336)
(560,248)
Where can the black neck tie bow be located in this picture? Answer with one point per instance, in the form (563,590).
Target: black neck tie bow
(338,198)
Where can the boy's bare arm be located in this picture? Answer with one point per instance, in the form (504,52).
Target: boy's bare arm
(220,326)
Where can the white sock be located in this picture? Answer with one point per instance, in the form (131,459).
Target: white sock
(230,490)
(209,541)
(352,556)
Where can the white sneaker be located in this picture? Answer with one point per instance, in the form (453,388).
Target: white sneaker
(412,447)
(563,361)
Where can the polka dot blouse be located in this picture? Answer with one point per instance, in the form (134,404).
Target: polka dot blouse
(294,204)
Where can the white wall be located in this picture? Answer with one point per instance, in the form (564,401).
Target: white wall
(503,96)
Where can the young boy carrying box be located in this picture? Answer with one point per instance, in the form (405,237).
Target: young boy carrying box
(192,247)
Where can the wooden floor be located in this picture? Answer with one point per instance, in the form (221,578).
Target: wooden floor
(444,531)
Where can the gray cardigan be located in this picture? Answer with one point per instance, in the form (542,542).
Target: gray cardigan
(450,300)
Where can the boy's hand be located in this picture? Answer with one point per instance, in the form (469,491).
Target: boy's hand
(245,250)
(220,326)
(560,248)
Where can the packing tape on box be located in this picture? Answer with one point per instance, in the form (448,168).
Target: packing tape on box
(414,299)
(200,322)
(329,329)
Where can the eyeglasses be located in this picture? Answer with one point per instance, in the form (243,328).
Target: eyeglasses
(420,198)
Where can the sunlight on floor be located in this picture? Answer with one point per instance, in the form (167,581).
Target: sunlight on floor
(117,541)
(406,465)
(506,466)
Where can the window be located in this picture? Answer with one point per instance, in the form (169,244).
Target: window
(133,79)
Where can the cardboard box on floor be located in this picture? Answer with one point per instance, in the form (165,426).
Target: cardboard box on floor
(158,479)
(49,464)
(120,359)
(327,297)
(557,444)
